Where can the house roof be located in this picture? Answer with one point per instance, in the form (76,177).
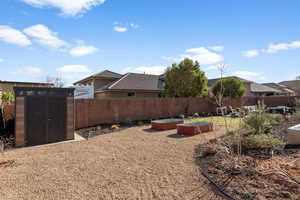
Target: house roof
(280,87)
(293,84)
(255,87)
(135,81)
(102,74)
(211,82)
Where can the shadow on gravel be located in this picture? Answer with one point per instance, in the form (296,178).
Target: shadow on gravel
(150,130)
(177,136)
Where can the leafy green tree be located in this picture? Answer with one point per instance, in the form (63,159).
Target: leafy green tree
(229,87)
(185,80)
(7,98)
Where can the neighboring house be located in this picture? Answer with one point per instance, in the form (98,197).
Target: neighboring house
(251,88)
(293,85)
(284,90)
(8,86)
(109,84)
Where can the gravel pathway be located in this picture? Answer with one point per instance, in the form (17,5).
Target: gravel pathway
(136,163)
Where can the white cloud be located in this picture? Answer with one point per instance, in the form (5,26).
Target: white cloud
(216,48)
(212,67)
(203,56)
(199,50)
(170,58)
(13,36)
(295,44)
(28,71)
(74,69)
(44,36)
(134,25)
(72,73)
(127,69)
(120,29)
(1,60)
(252,76)
(67,7)
(251,53)
(123,27)
(157,70)
(83,50)
(273,48)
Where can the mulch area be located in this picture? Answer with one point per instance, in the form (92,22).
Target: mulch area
(251,178)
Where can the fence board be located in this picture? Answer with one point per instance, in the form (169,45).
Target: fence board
(92,112)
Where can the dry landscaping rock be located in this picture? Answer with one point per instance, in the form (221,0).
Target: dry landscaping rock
(135,163)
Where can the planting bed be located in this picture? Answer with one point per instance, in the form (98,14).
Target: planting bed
(194,128)
(293,136)
(252,178)
(166,124)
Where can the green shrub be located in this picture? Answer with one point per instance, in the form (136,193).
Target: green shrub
(7,98)
(296,117)
(261,141)
(260,122)
(257,123)
(275,118)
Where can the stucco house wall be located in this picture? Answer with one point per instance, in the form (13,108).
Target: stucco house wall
(124,94)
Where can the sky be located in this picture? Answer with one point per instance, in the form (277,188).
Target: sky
(257,40)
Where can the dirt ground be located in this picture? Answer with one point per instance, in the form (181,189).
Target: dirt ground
(136,163)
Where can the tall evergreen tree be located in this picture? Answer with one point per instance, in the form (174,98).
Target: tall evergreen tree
(185,80)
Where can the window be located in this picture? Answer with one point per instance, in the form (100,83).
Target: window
(131,94)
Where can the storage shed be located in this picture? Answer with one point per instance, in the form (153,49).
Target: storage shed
(43,115)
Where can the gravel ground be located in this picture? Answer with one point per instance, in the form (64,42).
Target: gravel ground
(136,163)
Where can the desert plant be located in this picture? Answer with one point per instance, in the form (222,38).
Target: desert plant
(7,98)
(296,117)
(297,104)
(258,122)
(261,141)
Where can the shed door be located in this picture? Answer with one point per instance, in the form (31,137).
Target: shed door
(36,120)
(57,111)
(45,119)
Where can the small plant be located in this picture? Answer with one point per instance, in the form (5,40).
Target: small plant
(296,117)
(7,98)
(114,127)
(259,122)
(247,195)
(261,141)
(275,118)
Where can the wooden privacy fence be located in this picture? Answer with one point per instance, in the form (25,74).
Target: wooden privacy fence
(92,112)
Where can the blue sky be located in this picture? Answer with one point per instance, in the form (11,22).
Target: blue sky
(258,40)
